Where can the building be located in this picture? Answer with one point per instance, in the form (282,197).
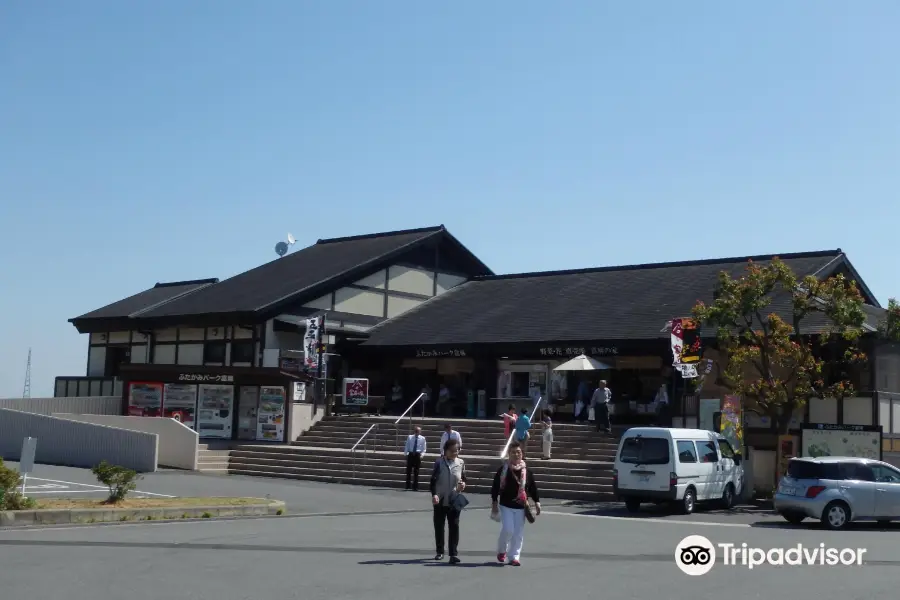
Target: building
(216,353)
(416,312)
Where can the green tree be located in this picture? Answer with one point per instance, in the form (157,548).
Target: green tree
(890,327)
(769,358)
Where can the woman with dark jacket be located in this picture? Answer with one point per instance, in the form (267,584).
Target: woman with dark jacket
(448,480)
(513,486)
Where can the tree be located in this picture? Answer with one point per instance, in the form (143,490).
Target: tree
(890,327)
(768,358)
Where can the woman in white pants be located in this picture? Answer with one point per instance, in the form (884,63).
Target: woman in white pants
(513,486)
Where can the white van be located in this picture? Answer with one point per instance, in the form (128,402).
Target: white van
(677,466)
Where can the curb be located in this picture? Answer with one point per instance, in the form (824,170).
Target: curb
(25,518)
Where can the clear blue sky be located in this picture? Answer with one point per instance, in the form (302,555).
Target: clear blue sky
(170,139)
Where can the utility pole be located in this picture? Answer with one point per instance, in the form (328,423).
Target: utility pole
(26,391)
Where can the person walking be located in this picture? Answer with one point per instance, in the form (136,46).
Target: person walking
(509,420)
(451,434)
(448,481)
(600,403)
(523,424)
(513,486)
(415,450)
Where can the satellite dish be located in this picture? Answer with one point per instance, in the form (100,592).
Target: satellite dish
(281,248)
(291,239)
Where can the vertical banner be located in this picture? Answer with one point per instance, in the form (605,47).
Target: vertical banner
(180,403)
(145,399)
(686,347)
(732,428)
(788,448)
(311,342)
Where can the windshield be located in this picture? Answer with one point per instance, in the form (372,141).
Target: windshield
(645,451)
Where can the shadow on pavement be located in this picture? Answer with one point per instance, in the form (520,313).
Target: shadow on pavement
(813,525)
(650,511)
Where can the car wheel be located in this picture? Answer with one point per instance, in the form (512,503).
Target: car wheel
(727,501)
(688,502)
(793,518)
(633,505)
(836,515)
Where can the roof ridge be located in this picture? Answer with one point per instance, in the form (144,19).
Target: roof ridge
(664,265)
(186,282)
(201,286)
(350,238)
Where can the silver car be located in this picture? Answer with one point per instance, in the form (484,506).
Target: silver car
(838,490)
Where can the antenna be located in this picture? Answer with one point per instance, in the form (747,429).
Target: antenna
(26,391)
(281,248)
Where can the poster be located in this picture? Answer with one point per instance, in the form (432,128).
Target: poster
(731,427)
(356,392)
(145,399)
(270,417)
(300,391)
(214,411)
(858,441)
(787,449)
(180,403)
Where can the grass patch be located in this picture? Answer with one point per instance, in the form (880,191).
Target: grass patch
(68,503)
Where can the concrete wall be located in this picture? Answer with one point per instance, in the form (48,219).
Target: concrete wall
(302,419)
(177,443)
(90,405)
(64,442)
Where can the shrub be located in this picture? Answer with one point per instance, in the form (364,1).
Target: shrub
(10,497)
(206,515)
(119,480)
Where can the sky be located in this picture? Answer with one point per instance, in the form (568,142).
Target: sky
(165,140)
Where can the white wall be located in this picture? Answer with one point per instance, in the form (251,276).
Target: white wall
(323,303)
(410,280)
(398,305)
(96,361)
(302,419)
(190,354)
(447,282)
(177,443)
(164,355)
(91,405)
(359,302)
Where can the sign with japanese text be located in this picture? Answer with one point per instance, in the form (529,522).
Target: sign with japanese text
(859,441)
(577,351)
(206,378)
(356,392)
(311,342)
(686,347)
(420,353)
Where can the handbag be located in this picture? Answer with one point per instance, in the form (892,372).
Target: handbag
(530,510)
(592,414)
(458,502)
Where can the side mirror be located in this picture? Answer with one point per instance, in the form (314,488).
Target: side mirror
(737,459)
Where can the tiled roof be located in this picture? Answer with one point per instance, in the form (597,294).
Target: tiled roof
(156,296)
(296,273)
(611,303)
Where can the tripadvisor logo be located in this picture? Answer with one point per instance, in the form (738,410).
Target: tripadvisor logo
(696,555)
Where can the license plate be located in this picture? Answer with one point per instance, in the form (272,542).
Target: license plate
(643,478)
(788,491)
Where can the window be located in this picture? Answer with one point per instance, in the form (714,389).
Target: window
(645,451)
(850,471)
(805,469)
(214,352)
(686,452)
(885,474)
(707,452)
(725,449)
(242,352)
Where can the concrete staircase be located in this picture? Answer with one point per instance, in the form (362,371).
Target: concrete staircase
(581,467)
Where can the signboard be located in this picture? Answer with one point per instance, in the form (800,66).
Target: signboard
(422,353)
(180,403)
(26,459)
(145,399)
(206,378)
(270,416)
(215,406)
(299,391)
(311,342)
(788,446)
(858,441)
(356,392)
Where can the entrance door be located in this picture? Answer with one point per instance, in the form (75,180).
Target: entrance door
(248,404)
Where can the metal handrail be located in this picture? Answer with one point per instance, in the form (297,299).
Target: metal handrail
(513,433)
(407,412)
(362,440)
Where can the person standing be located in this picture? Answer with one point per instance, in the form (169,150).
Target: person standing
(513,486)
(415,450)
(582,397)
(451,434)
(547,436)
(448,479)
(523,424)
(509,420)
(600,403)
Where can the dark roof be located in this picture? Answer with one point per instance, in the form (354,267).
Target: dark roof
(609,303)
(307,272)
(149,299)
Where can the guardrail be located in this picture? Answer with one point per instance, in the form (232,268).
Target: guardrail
(513,433)
(364,441)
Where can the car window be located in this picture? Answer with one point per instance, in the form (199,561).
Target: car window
(686,452)
(725,449)
(707,452)
(645,451)
(885,474)
(855,471)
